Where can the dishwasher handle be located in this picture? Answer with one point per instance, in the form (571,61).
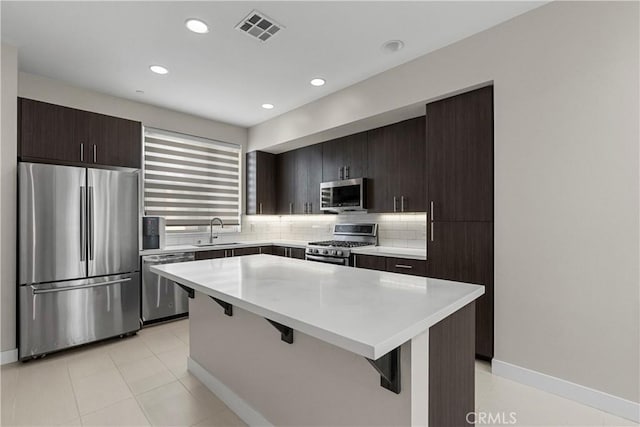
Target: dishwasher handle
(168,259)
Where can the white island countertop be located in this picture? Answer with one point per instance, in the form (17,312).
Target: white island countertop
(363,311)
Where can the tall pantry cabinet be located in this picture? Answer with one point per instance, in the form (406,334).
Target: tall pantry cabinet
(460,199)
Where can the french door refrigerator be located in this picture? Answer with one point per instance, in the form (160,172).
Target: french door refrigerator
(79,277)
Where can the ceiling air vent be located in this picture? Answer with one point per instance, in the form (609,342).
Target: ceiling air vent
(258,26)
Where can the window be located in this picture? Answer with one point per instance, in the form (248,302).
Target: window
(189,180)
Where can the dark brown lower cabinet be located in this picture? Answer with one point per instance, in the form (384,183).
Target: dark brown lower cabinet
(413,267)
(267,250)
(463,252)
(219,253)
(245,251)
(289,252)
(370,262)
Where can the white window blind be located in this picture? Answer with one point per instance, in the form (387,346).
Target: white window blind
(189,180)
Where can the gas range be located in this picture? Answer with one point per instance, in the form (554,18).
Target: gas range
(346,236)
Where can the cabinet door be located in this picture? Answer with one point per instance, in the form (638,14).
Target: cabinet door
(463,252)
(382,170)
(308,178)
(267,250)
(246,251)
(396,168)
(261,183)
(210,254)
(297,253)
(370,262)
(350,152)
(114,141)
(410,154)
(460,156)
(285,182)
(280,250)
(48,131)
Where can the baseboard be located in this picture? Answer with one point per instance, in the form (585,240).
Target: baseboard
(597,399)
(8,356)
(224,393)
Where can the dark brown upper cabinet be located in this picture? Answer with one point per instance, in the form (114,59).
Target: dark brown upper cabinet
(460,157)
(261,183)
(345,158)
(298,177)
(285,182)
(49,132)
(396,167)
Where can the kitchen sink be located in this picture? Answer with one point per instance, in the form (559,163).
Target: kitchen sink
(201,245)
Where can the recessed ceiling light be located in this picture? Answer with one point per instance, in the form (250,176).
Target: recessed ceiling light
(267,106)
(197,26)
(158,69)
(139,91)
(317,82)
(393,45)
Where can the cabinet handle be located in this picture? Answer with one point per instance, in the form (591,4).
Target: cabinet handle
(432,231)
(260,208)
(346,174)
(395,207)
(95,156)
(401,203)
(305,207)
(408,267)
(431,210)
(290,208)
(355,260)
(233,252)
(340,173)
(310,207)
(82,152)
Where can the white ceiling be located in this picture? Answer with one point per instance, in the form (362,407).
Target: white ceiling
(226,75)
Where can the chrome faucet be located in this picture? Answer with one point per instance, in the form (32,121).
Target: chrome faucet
(211,237)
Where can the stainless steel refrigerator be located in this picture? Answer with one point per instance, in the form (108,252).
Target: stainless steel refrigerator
(79,277)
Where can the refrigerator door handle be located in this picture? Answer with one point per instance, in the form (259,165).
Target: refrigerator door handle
(83,223)
(73,288)
(90,223)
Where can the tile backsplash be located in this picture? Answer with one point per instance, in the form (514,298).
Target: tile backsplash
(406,230)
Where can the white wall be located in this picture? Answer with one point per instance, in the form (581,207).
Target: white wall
(8,174)
(566,178)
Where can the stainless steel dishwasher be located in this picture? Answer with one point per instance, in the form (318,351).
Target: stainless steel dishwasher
(163,299)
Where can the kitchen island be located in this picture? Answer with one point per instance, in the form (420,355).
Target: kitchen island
(291,342)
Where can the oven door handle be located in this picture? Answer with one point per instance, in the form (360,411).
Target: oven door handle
(340,261)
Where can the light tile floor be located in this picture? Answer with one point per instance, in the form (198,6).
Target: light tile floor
(143,380)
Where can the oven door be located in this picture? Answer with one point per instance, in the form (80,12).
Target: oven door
(327,259)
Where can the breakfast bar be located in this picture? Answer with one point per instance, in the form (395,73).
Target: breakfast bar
(291,342)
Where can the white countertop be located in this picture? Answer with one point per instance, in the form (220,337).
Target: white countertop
(363,311)
(236,245)
(388,251)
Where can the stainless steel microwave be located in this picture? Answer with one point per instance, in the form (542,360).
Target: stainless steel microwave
(343,196)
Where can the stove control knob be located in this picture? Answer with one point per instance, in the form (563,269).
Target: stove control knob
(325,252)
(315,251)
(339,253)
(332,252)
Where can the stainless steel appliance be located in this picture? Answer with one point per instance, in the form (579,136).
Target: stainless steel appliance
(343,196)
(79,277)
(153,232)
(162,298)
(346,236)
